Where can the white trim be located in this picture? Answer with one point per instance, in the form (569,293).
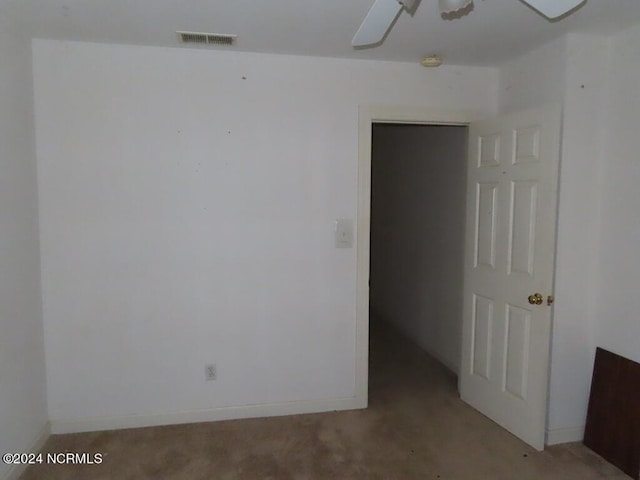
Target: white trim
(15,471)
(564,435)
(368,115)
(61,426)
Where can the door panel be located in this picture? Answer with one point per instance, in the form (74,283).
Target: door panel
(486,221)
(517,357)
(489,150)
(511,214)
(527,145)
(482,328)
(524,200)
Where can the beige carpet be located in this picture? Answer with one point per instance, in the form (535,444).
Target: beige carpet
(415,428)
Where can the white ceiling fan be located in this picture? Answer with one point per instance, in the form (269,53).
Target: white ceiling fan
(384,12)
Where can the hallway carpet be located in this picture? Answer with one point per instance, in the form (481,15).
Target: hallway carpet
(415,428)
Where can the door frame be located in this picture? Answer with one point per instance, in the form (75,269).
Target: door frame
(368,115)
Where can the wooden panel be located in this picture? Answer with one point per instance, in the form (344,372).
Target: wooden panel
(613,418)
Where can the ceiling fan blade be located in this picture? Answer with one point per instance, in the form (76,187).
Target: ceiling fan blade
(553,8)
(377,22)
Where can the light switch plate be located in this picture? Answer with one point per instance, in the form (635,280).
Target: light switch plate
(344,233)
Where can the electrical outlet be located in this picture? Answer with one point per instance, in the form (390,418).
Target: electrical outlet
(210,372)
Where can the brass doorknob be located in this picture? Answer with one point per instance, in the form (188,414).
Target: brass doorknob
(536,299)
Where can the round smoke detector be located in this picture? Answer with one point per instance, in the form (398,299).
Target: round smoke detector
(431,61)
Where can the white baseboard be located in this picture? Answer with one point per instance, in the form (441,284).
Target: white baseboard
(565,435)
(15,471)
(60,426)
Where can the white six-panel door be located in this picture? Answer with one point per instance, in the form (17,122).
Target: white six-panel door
(510,247)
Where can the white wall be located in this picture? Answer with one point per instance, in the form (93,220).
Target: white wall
(617,301)
(535,78)
(579,225)
(187,204)
(23,412)
(564,71)
(417,233)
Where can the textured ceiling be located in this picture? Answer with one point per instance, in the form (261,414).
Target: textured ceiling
(493,32)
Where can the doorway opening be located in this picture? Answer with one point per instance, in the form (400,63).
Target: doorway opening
(368,116)
(417,235)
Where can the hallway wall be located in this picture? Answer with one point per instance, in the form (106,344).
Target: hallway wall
(23,409)
(417,233)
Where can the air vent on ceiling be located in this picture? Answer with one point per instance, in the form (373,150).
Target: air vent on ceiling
(207,38)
